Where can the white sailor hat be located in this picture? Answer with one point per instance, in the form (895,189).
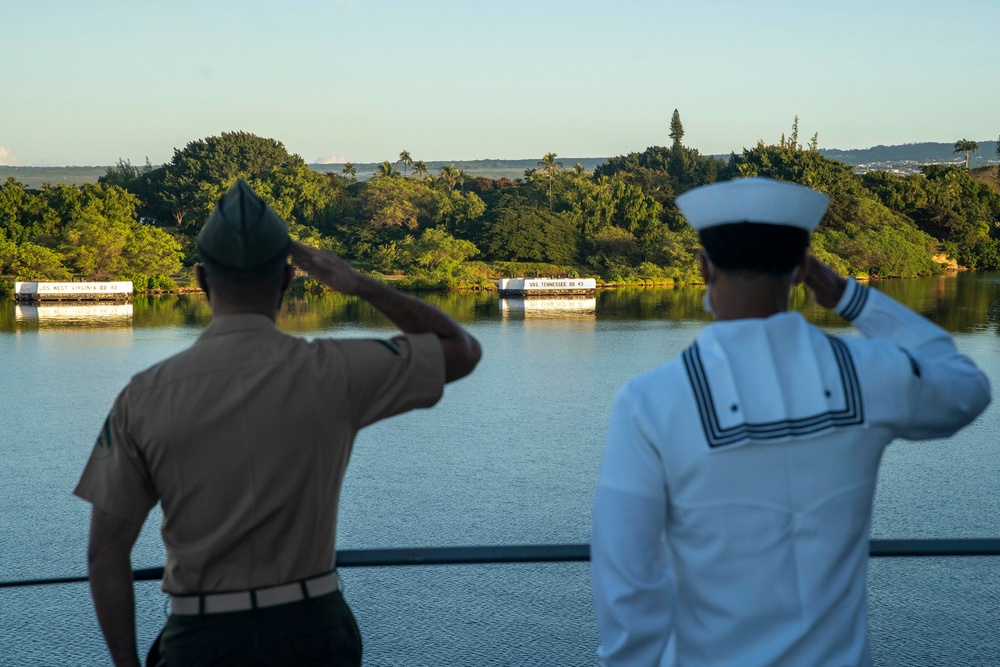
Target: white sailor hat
(761,200)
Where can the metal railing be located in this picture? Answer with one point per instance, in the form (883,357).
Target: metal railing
(557,553)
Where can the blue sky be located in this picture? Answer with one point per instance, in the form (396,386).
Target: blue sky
(89,83)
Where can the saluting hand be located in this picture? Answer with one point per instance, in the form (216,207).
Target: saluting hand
(824,282)
(326,267)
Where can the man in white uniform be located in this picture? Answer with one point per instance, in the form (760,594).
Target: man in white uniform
(733,505)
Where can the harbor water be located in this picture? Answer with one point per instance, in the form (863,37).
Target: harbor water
(509,456)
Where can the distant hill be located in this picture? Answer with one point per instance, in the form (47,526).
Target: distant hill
(905,158)
(35,177)
(914,154)
(488,168)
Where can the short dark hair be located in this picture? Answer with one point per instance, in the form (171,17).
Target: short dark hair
(269,275)
(755,247)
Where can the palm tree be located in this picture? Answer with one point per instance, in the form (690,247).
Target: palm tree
(386,170)
(579,170)
(407,161)
(460,177)
(420,169)
(350,171)
(548,163)
(449,176)
(965,146)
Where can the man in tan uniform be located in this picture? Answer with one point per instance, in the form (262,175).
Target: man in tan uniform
(244,439)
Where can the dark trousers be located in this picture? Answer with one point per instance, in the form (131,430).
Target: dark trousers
(316,632)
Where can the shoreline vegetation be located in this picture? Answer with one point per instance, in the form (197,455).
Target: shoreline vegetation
(449,230)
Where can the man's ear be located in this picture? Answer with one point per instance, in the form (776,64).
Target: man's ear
(799,276)
(704,268)
(201,279)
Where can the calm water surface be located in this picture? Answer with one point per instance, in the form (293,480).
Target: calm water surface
(509,456)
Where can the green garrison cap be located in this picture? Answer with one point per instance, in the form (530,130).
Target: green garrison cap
(243,232)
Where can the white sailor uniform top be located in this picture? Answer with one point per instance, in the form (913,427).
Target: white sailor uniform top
(733,505)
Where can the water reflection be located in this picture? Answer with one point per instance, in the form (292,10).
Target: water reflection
(962,303)
(535,308)
(75,315)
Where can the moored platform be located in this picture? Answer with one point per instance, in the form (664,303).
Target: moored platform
(73,291)
(528,287)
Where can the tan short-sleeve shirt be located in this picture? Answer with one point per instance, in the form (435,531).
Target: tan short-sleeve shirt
(244,439)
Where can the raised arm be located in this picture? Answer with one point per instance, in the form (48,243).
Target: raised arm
(945,390)
(109,566)
(461,350)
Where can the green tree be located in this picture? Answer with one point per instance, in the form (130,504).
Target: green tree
(124,174)
(514,230)
(406,161)
(386,170)
(437,251)
(617,250)
(387,204)
(95,245)
(965,146)
(296,192)
(676,129)
(13,201)
(595,205)
(151,251)
(386,257)
(102,238)
(647,170)
(8,253)
(35,262)
(858,227)
(350,171)
(551,167)
(458,212)
(420,169)
(389,209)
(186,188)
(947,203)
(449,177)
(663,173)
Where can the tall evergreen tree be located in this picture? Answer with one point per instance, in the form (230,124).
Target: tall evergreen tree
(676,129)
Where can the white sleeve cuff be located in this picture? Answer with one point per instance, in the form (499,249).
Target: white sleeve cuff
(853,301)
